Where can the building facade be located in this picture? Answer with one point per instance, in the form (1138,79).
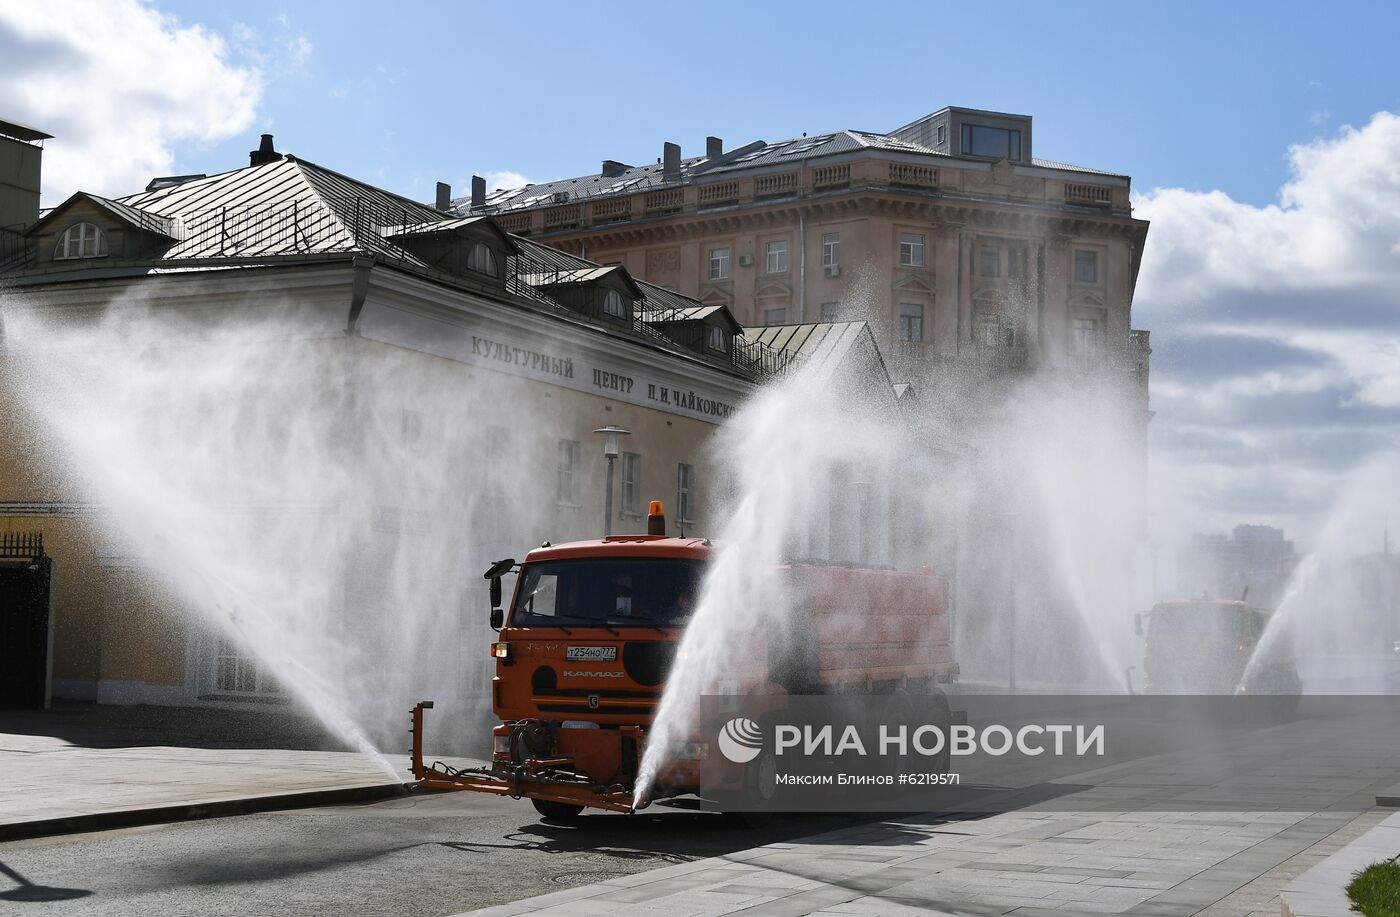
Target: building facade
(418,396)
(947,235)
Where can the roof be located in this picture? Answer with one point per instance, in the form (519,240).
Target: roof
(1066,167)
(23,131)
(700,313)
(140,219)
(802,148)
(455,224)
(756,155)
(820,341)
(291,206)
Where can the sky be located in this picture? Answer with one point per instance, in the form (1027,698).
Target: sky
(1260,138)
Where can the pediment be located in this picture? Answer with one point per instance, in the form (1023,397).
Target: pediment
(773,290)
(913,283)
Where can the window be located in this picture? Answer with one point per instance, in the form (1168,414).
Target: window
(992,142)
(718,339)
(1016,262)
(685,493)
(831,312)
(911,249)
(631,484)
(831,249)
(236,671)
(567,492)
(613,304)
(777,257)
(719,264)
(990,261)
(1086,337)
(652,590)
(911,321)
(942,134)
(1086,267)
(81,240)
(774,316)
(481,259)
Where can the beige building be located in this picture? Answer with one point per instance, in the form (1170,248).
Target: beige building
(948,235)
(417,398)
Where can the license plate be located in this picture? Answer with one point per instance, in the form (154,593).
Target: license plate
(591,654)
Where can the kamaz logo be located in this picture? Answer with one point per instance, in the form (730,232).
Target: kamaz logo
(568,674)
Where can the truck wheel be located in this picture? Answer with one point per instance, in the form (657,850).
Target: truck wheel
(562,811)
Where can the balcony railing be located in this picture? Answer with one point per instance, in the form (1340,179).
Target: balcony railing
(725,192)
(912,176)
(775,185)
(838,176)
(612,210)
(517,223)
(563,217)
(668,201)
(1092,195)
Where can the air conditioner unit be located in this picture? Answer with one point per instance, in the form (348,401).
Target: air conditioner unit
(833,270)
(746,261)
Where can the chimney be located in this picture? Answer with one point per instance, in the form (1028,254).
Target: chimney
(478,192)
(612,168)
(21,158)
(714,148)
(671,162)
(264,153)
(444,196)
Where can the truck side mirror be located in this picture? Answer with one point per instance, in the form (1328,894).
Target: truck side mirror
(494,573)
(1137,623)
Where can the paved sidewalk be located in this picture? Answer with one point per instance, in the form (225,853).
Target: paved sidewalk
(1166,836)
(81,767)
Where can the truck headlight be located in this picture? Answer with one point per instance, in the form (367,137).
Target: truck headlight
(500,650)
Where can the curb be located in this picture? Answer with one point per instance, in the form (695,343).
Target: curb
(219,808)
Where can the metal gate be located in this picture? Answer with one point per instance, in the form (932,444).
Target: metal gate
(26,629)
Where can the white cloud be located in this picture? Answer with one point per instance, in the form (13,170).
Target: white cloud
(1276,331)
(506,180)
(119,85)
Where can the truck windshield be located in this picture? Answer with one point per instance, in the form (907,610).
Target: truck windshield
(644,591)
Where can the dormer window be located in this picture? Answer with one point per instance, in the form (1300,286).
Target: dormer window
(719,341)
(991,142)
(482,260)
(614,305)
(81,240)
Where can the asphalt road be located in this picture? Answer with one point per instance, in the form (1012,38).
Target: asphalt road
(423,855)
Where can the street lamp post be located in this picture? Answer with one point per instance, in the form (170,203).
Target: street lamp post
(610,433)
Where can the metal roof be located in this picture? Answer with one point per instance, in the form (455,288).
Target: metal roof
(819,341)
(148,222)
(295,207)
(759,154)
(287,207)
(23,131)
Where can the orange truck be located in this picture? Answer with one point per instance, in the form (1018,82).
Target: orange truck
(1207,646)
(588,639)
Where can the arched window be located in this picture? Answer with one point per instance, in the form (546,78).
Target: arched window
(81,240)
(482,260)
(613,304)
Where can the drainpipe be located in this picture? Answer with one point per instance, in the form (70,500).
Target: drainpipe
(359,287)
(801,268)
